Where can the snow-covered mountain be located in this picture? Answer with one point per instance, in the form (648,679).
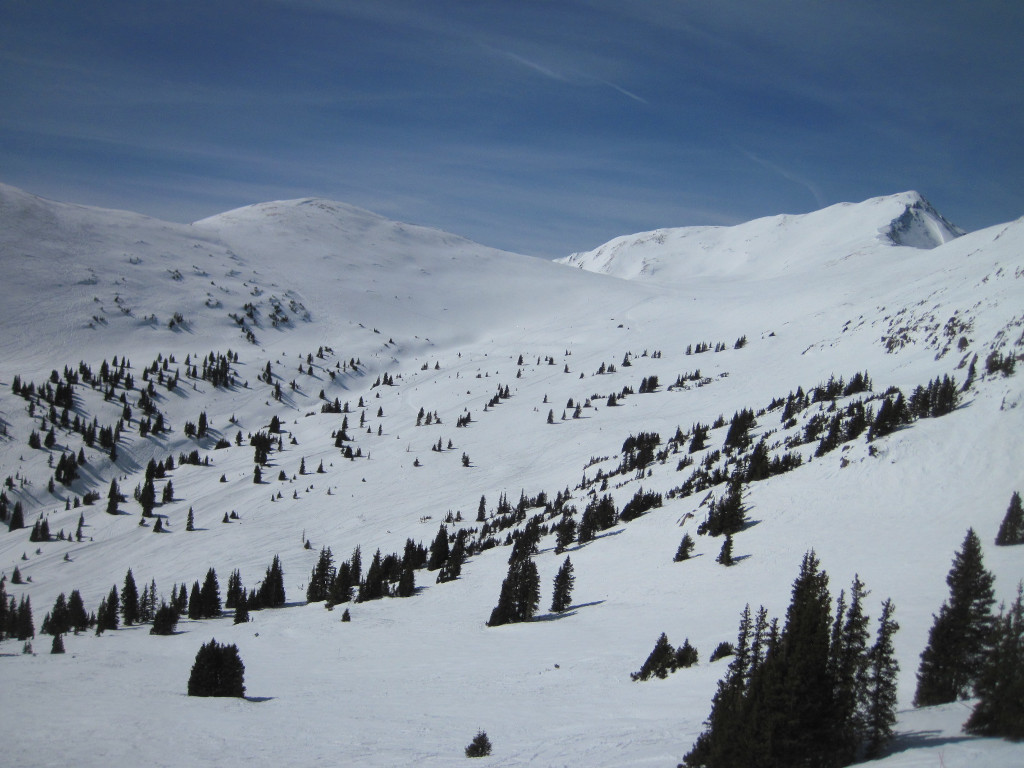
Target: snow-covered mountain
(438,327)
(775,245)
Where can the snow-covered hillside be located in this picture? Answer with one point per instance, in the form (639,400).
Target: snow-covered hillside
(409,329)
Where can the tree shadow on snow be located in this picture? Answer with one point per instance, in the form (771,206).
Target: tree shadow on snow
(908,740)
(570,611)
(258,699)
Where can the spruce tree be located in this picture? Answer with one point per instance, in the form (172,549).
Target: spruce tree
(954,656)
(480,746)
(209,596)
(218,671)
(1000,685)
(561,597)
(111,621)
(685,549)
(520,594)
(659,663)
(165,620)
(77,617)
(725,555)
(58,644)
(880,701)
(320,579)
(1011,530)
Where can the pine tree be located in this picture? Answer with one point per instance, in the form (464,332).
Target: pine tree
(320,579)
(111,620)
(520,594)
(77,617)
(480,746)
(218,671)
(561,598)
(406,582)
(848,670)
(271,591)
(165,620)
(209,596)
(685,549)
(195,603)
(725,555)
(1011,530)
(880,702)
(190,523)
(25,627)
(659,663)
(241,611)
(953,658)
(1000,685)
(58,644)
(439,549)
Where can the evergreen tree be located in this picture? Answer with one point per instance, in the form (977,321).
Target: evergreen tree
(77,617)
(685,549)
(848,671)
(373,587)
(271,591)
(218,671)
(111,620)
(520,594)
(190,523)
(241,611)
(406,582)
(165,620)
(561,598)
(17,520)
(195,603)
(130,600)
(480,746)
(882,668)
(59,620)
(209,596)
(659,663)
(113,498)
(439,549)
(58,644)
(953,658)
(25,627)
(1011,530)
(320,579)
(725,555)
(1000,685)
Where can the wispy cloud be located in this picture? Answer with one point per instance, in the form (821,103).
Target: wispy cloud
(624,92)
(789,175)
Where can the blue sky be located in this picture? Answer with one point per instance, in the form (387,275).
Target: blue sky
(540,127)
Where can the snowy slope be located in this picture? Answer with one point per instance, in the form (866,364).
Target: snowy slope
(774,245)
(411,680)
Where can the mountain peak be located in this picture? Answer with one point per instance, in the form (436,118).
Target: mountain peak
(920,225)
(773,245)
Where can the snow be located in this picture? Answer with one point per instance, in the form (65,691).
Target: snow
(410,681)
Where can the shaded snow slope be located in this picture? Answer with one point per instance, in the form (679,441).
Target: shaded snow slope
(318,285)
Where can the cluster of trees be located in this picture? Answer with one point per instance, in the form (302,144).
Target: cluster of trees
(812,692)
(15,616)
(520,590)
(970,651)
(386,576)
(665,659)
(218,671)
